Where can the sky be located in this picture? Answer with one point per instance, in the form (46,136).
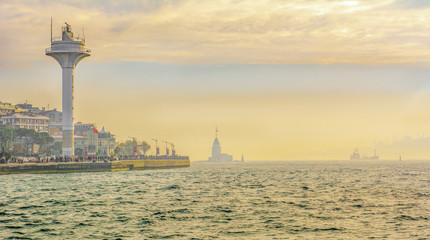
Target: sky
(298,79)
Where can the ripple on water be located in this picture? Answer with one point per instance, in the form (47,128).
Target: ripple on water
(278,200)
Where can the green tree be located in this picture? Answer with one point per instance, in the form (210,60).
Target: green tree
(145,147)
(44,140)
(127,148)
(117,149)
(54,148)
(79,152)
(28,137)
(19,148)
(7,135)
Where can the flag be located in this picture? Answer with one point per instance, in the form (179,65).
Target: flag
(95,130)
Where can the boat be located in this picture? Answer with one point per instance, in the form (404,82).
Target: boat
(356,156)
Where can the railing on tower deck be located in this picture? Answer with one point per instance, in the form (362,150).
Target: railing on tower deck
(78,39)
(80,49)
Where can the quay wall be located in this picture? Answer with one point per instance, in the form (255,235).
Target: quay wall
(123,165)
(55,167)
(149,164)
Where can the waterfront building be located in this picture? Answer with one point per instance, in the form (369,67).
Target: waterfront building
(8,109)
(55,129)
(90,134)
(29,108)
(85,136)
(54,115)
(106,142)
(217,155)
(29,121)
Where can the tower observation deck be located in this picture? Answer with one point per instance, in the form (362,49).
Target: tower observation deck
(68,51)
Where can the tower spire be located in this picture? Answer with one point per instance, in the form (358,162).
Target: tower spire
(216,132)
(51,29)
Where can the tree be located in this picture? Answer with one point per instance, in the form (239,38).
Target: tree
(44,140)
(79,152)
(117,149)
(19,148)
(29,137)
(145,147)
(7,135)
(128,147)
(55,148)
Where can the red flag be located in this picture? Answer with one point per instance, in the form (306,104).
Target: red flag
(95,130)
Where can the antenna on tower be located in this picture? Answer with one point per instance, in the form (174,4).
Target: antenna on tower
(83,34)
(51,29)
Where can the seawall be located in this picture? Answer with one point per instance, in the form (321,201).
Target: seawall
(67,167)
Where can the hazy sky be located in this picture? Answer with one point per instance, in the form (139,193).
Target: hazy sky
(281,79)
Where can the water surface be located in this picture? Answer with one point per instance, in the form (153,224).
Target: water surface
(255,200)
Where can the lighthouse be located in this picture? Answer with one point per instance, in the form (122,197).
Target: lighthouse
(68,51)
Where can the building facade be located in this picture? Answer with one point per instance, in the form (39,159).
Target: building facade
(90,133)
(29,108)
(85,140)
(29,121)
(106,141)
(54,115)
(8,109)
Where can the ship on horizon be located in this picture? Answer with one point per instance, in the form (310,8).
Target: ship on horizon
(356,156)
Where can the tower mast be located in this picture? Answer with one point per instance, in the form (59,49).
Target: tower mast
(68,52)
(51,29)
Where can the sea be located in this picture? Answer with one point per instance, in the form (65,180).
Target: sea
(250,200)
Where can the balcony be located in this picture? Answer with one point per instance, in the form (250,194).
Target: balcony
(78,39)
(67,49)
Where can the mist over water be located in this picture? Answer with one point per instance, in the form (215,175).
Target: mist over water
(256,200)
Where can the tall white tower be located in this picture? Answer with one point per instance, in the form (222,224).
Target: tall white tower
(68,51)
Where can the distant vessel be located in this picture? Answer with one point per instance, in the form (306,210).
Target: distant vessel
(356,156)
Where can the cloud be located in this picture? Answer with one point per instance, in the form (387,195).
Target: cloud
(191,31)
(412,4)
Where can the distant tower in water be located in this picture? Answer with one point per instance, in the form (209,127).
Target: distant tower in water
(68,51)
(216,147)
(217,156)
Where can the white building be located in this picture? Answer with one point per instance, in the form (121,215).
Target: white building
(36,122)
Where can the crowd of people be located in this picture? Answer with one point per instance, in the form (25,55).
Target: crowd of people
(48,159)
